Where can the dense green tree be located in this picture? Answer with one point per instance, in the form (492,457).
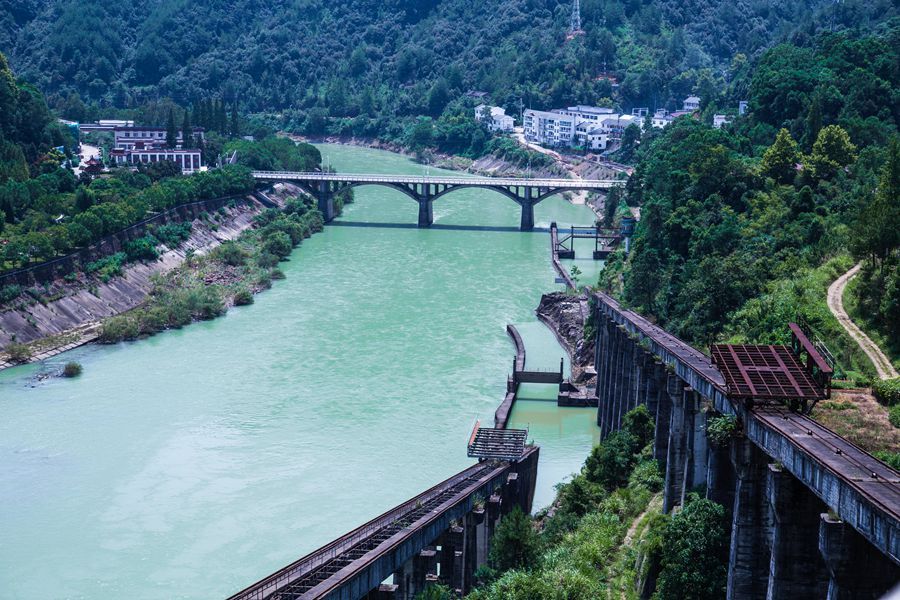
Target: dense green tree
(695,546)
(832,150)
(515,544)
(780,160)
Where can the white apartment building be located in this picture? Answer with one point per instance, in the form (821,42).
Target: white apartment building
(551,129)
(129,138)
(720,120)
(494,118)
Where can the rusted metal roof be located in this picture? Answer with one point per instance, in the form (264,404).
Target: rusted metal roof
(497,444)
(764,372)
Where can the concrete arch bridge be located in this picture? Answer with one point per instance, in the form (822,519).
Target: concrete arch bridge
(425,190)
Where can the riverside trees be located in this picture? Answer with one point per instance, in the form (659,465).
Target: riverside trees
(728,214)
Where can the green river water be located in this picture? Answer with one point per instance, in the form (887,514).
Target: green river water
(193,463)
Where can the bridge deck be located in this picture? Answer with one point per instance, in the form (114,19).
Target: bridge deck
(574,184)
(313,570)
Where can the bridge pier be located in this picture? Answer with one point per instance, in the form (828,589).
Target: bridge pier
(856,570)
(325,200)
(720,480)
(748,561)
(676,456)
(663,415)
(526,201)
(695,476)
(796,570)
(426,211)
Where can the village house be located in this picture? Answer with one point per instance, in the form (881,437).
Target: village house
(494,118)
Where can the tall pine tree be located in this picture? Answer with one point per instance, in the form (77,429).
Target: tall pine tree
(187,132)
(171,131)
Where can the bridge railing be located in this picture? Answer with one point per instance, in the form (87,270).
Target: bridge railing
(380,178)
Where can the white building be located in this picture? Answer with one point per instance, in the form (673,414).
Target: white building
(494,118)
(188,160)
(661,118)
(720,120)
(742,107)
(597,139)
(129,138)
(614,125)
(551,129)
(691,103)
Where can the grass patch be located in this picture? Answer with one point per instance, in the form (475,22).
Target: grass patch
(858,417)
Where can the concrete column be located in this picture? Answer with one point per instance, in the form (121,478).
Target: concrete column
(697,445)
(403,579)
(720,477)
(856,569)
(450,571)
(326,201)
(423,570)
(527,222)
(748,561)
(796,570)
(426,208)
(481,533)
(470,562)
(601,361)
(609,385)
(675,454)
(662,414)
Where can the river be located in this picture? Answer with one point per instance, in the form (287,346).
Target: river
(193,463)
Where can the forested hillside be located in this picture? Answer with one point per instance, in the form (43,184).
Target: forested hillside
(743,228)
(372,61)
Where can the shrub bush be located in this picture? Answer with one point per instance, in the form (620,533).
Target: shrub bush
(276,274)
(890,458)
(9,293)
(720,430)
(72,369)
(18,353)
(243,297)
(230,254)
(119,328)
(894,415)
(142,249)
(173,234)
(107,267)
(887,391)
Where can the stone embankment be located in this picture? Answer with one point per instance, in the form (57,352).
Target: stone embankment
(565,315)
(73,315)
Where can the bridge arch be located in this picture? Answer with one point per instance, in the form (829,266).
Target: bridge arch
(494,188)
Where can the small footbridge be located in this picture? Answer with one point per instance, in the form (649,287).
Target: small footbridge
(425,190)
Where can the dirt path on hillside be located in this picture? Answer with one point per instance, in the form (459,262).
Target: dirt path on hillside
(882,363)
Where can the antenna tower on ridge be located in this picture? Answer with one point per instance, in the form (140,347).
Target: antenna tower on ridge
(575,21)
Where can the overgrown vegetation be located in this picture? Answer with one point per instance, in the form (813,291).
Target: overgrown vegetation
(202,288)
(581,551)
(887,391)
(744,227)
(72,369)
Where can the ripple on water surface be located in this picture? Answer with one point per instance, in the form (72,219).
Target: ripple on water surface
(196,462)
